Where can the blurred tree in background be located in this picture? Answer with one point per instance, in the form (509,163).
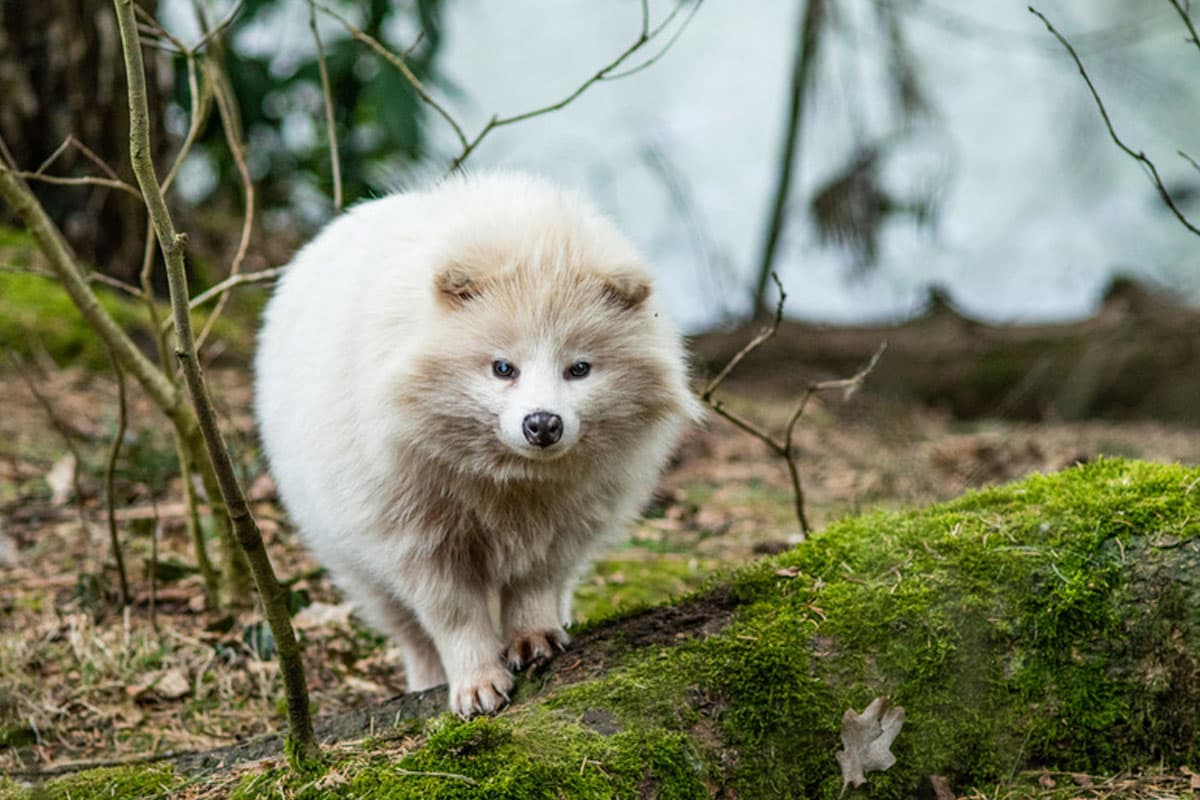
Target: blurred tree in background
(379,117)
(61,75)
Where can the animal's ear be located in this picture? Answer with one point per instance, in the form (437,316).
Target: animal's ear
(627,290)
(457,284)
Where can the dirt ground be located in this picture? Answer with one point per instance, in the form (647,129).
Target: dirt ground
(80,680)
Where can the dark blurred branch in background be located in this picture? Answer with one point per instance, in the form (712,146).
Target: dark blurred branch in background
(808,39)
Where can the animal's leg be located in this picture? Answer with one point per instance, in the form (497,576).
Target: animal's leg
(460,625)
(531,615)
(381,610)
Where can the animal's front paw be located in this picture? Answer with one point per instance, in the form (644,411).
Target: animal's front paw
(481,692)
(530,646)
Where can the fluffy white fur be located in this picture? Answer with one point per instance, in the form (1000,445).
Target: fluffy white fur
(398,450)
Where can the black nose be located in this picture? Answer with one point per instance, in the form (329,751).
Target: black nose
(542,428)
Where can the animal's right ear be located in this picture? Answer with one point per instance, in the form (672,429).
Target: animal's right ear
(456,285)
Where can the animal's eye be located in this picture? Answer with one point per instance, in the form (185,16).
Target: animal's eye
(579,369)
(503,369)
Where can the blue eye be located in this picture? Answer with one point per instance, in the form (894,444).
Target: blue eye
(579,369)
(503,369)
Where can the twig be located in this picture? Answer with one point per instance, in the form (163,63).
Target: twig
(1137,155)
(200,111)
(230,124)
(1187,20)
(645,35)
(58,151)
(751,346)
(303,747)
(90,154)
(335,163)
(783,447)
(238,151)
(397,62)
(6,156)
(849,387)
(430,774)
(115,283)
(808,39)
(209,34)
(83,180)
(232,281)
(654,59)
(1189,159)
(110,480)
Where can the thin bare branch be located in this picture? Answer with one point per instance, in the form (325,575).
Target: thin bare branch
(654,59)
(645,35)
(261,276)
(200,110)
(1137,155)
(152,24)
(82,180)
(69,142)
(397,62)
(751,346)
(220,28)
(335,163)
(303,745)
(1187,20)
(746,425)
(6,156)
(1189,159)
(783,447)
(58,151)
(115,283)
(238,151)
(110,469)
(848,386)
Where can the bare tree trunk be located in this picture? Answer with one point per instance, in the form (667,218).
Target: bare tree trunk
(807,40)
(301,745)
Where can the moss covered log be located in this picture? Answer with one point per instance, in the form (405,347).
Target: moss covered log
(1051,623)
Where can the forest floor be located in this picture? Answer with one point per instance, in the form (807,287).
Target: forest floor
(82,681)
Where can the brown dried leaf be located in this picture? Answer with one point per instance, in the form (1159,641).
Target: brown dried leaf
(868,738)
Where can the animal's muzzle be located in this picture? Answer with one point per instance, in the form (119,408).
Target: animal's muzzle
(541,428)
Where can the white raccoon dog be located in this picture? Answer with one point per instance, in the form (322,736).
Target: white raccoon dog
(464,393)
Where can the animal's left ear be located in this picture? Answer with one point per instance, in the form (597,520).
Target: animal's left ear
(627,290)
(456,284)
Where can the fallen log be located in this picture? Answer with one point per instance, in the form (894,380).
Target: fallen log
(1137,358)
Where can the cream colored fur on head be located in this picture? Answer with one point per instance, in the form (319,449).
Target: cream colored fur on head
(404,365)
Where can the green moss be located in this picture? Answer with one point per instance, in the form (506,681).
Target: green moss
(37,313)
(1024,626)
(146,782)
(534,753)
(620,584)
